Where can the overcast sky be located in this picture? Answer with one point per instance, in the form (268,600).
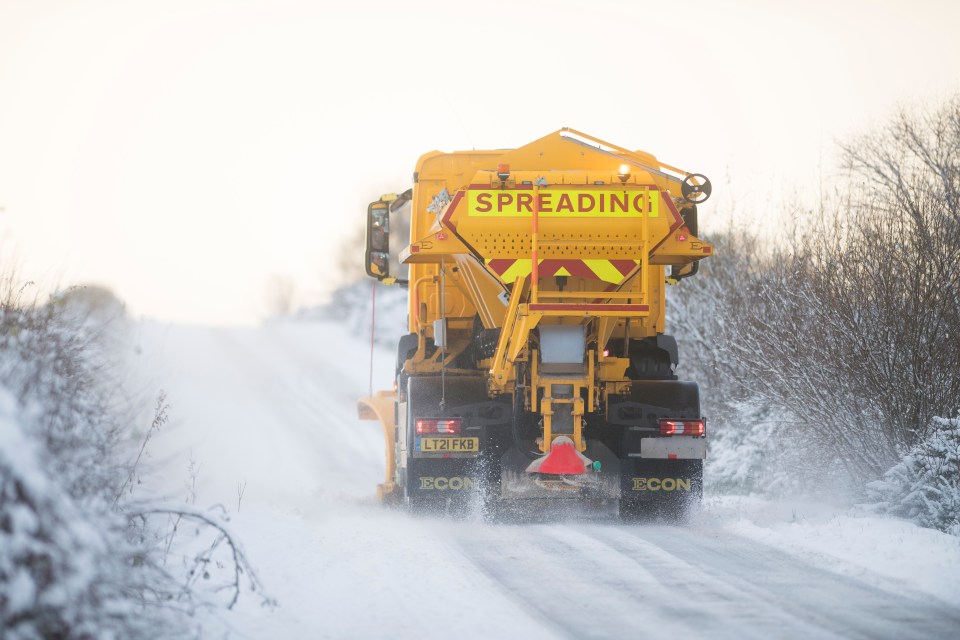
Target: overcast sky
(183,152)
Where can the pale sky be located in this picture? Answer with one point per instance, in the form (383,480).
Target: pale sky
(183,152)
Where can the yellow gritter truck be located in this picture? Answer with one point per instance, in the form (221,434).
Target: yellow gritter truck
(537,366)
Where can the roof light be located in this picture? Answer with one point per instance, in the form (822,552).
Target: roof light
(503,171)
(624,173)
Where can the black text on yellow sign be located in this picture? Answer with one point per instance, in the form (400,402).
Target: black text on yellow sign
(559,203)
(449,445)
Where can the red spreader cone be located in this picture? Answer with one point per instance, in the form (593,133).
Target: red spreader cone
(563,459)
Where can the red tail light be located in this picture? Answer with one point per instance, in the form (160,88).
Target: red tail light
(438,425)
(682,427)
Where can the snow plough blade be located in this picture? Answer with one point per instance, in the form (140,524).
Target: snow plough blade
(381,407)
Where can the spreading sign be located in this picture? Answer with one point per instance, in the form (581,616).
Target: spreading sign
(564,203)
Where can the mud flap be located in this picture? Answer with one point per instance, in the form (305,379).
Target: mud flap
(441,486)
(652,487)
(440,482)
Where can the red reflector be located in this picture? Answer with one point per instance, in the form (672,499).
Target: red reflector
(682,427)
(441,236)
(438,425)
(681,237)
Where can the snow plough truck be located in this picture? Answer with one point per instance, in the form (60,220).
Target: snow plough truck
(537,367)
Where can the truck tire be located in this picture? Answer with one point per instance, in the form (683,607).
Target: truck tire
(406,348)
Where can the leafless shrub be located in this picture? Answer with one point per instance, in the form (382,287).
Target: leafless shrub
(80,556)
(853,326)
(203,563)
(839,346)
(706,313)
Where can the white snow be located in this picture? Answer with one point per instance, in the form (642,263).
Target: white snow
(850,542)
(273,410)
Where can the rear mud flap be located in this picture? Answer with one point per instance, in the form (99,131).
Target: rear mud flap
(647,480)
(439,479)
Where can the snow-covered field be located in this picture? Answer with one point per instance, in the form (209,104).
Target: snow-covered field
(268,414)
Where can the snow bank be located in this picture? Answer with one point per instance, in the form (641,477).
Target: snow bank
(64,569)
(887,552)
(72,565)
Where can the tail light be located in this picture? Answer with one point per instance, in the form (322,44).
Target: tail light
(438,425)
(682,427)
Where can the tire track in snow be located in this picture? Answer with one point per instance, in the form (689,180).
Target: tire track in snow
(792,588)
(301,383)
(613,581)
(705,605)
(562,585)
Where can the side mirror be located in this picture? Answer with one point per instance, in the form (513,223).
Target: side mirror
(689,215)
(377,257)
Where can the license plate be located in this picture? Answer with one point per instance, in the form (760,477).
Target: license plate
(448,445)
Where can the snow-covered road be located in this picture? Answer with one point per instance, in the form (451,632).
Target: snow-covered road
(271,411)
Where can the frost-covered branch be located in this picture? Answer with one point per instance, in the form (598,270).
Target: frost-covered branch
(240,563)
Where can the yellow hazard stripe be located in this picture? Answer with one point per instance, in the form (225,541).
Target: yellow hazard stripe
(605,270)
(516,270)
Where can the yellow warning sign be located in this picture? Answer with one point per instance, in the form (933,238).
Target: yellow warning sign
(564,203)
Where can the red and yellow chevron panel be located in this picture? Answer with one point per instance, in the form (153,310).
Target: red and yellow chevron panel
(612,271)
